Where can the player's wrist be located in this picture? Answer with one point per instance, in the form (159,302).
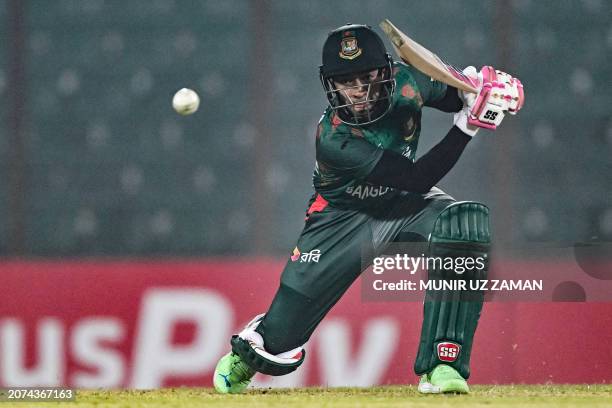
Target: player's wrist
(461,122)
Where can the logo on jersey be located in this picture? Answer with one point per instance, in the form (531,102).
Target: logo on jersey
(306,257)
(409,129)
(348,46)
(295,255)
(448,351)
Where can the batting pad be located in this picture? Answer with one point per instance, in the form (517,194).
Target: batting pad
(450,316)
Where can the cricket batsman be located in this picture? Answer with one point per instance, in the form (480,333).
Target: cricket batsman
(370,191)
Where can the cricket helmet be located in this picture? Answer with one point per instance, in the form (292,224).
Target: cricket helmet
(356,49)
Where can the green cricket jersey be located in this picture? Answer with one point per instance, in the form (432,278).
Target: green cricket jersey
(347,154)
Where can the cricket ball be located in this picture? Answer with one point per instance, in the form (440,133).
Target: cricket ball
(186,101)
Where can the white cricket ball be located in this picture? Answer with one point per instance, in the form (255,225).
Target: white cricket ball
(185,101)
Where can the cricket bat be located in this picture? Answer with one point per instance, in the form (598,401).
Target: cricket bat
(424,60)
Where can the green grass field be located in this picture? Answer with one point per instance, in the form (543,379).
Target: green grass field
(391,396)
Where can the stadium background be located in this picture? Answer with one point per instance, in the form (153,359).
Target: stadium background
(114,207)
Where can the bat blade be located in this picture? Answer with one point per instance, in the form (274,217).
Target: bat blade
(426,61)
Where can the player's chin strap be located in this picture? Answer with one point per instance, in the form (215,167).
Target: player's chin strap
(249,345)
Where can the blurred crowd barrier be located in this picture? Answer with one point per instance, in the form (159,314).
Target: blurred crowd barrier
(104,167)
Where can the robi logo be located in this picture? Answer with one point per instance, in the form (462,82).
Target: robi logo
(448,351)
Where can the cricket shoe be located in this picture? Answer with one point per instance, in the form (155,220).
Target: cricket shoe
(232,375)
(443,379)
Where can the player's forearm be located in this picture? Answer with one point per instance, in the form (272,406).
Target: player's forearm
(451,102)
(394,170)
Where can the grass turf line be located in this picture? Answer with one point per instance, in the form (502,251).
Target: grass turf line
(389,396)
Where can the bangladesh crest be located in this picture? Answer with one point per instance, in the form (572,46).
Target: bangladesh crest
(349,49)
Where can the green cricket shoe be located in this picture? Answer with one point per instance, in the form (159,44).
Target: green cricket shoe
(232,375)
(443,379)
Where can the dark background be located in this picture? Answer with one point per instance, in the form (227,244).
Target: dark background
(94,161)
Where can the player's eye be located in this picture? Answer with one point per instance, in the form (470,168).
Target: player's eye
(369,77)
(345,81)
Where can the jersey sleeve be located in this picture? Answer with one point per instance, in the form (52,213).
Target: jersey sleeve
(346,154)
(397,171)
(431,91)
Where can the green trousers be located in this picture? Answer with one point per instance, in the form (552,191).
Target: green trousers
(333,249)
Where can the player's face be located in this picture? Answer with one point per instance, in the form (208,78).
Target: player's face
(359,91)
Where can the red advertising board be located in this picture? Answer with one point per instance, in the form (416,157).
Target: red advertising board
(148,324)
